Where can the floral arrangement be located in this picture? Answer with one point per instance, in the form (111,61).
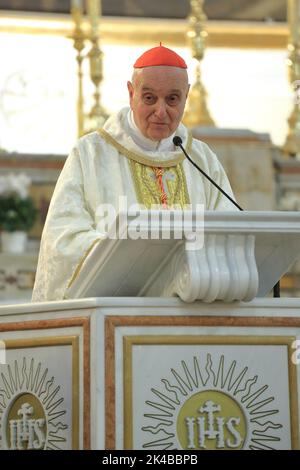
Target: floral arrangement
(17,209)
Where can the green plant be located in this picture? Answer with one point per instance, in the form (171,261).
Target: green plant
(17,209)
(17,213)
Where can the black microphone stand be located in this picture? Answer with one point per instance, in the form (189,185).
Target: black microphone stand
(177,141)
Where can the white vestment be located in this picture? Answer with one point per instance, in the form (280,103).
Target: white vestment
(101,168)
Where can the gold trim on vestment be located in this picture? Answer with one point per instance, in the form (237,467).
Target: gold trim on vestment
(148,191)
(144,160)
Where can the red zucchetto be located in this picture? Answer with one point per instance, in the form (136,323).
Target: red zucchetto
(160,55)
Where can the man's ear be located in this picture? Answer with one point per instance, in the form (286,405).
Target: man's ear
(188,90)
(130,89)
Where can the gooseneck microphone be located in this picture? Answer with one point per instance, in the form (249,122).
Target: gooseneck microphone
(177,141)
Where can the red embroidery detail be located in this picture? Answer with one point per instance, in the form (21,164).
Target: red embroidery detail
(159,174)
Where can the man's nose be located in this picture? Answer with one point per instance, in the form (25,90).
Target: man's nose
(161,109)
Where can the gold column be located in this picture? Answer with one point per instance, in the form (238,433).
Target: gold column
(197,113)
(97,115)
(292,145)
(91,121)
(79,39)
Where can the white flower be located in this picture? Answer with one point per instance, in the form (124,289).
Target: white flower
(15,184)
(3,185)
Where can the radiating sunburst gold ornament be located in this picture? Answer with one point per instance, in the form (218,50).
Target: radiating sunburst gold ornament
(209,404)
(32,410)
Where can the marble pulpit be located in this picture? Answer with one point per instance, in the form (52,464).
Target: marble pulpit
(162,343)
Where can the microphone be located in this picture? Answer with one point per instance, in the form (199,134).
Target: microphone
(177,141)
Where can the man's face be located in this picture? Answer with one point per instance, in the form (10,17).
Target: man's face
(157,99)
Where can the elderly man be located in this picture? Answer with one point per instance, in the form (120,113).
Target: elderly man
(132,156)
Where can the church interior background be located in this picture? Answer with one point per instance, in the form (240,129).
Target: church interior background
(64,68)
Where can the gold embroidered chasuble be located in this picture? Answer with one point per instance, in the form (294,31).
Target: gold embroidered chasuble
(145,177)
(103,167)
